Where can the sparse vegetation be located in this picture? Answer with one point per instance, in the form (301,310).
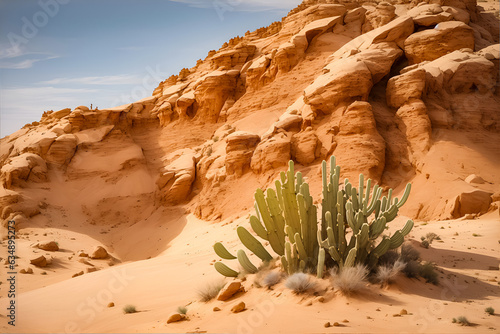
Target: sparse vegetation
(490,310)
(215,139)
(428,239)
(408,253)
(129,309)
(387,273)
(272,278)
(299,283)
(182,309)
(210,291)
(428,271)
(350,279)
(461,320)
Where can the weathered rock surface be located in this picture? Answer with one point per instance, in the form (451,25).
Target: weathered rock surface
(62,150)
(26,167)
(239,152)
(272,153)
(405,87)
(471,202)
(175,180)
(431,44)
(305,147)
(360,146)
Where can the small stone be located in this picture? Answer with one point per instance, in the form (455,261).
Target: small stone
(309,303)
(403,312)
(111,304)
(336,324)
(327,324)
(99,253)
(320,299)
(175,318)
(83,254)
(238,307)
(40,261)
(91,270)
(77,274)
(345,320)
(396,315)
(49,246)
(216,309)
(229,290)
(43,273)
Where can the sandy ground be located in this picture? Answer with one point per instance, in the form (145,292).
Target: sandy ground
(467,258)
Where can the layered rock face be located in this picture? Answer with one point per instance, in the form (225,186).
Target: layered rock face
(378,86)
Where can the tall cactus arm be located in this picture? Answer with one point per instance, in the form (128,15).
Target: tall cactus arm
(245,262)
(272,230)
(258,228)
(321,263)
(405,196)
(300,247)
(222,252)
(225,270)
(253,244)
(361,190)
(407,228)
(351,258)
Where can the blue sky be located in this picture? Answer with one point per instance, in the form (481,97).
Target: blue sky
(65,53)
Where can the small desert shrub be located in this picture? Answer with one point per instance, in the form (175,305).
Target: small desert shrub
(489,310)
(429,238)
(271,278)
(351,279)
(210,291)
(408,253)
(432,236)
(389,258)
(129,309)
(412,269)
(387,273)
(462,321)
(215,139)
(299,283)
(428,271)
(182,309)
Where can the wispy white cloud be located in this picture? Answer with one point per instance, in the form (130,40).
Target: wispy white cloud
(16,58)
(125,79)
(243,5)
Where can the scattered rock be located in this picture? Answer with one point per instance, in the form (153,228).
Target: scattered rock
(111,304)
(50,246)
(240,307)
(175,318)
(216,309)
(327,324)
(320,299)
(99,253)
(239,151)
(91,270)
(40,261)
(26,271)
(83,254)
(77,274)
(473,178)
(229,290)
(396,315)
(403,312)
(336,324)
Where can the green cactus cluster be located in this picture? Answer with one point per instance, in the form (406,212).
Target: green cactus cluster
(351,208)
(287,219)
